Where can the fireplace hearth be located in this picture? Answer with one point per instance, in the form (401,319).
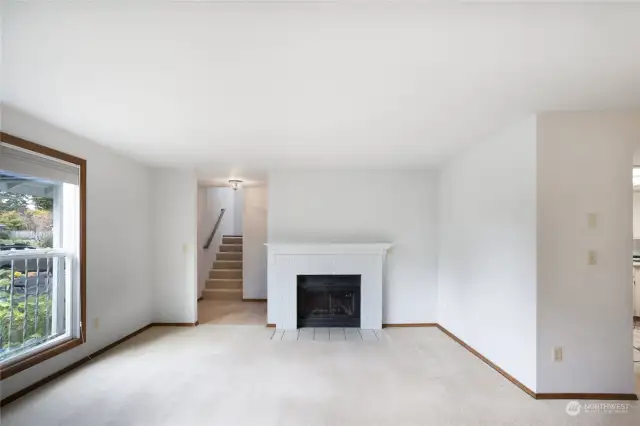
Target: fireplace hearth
(328,300)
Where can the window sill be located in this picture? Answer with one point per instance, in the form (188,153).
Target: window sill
(22,364)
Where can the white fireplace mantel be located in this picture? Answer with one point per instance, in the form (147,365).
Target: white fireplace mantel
(328,248)
(288,260)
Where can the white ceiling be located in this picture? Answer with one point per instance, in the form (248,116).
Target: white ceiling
(235,88)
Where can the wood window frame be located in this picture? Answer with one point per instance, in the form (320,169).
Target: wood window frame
(22,364)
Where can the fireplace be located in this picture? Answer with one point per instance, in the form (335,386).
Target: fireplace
(328,300)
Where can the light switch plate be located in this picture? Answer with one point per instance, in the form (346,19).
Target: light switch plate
(592,220)
(592,258)
(557,354)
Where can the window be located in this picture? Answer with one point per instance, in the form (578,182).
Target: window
(42,253)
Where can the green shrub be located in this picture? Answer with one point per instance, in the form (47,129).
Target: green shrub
(46,241)
(12,220)
(20,308)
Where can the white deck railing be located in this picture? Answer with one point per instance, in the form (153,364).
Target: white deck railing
(32,299)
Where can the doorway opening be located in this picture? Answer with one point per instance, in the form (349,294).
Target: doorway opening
(232,270)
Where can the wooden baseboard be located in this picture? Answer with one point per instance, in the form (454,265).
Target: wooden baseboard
(271,325)
(488,362)
(570,396)
(418,324)
(592,396)
(174,324)
(254,300)
(68,368)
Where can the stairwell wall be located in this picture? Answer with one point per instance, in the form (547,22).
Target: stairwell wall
(210,201)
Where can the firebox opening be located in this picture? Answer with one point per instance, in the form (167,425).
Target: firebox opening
(329,300)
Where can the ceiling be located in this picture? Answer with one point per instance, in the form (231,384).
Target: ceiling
(236,88)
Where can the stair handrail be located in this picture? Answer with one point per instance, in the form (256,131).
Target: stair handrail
(215,228)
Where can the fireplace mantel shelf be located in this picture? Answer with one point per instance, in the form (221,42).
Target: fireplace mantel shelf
(329,248)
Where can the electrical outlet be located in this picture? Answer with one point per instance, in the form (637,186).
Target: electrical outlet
(592,220)
(592,258)
(96,323)
(557,354)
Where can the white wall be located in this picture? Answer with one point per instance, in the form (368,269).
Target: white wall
(636,215)
(206,220)
(487,249)
(213,200)
(366,206)
(514,237)
(584,166)
(223,198)
(174,241)
(255,236)
(238,211)
(118,242)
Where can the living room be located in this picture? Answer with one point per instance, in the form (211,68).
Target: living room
(450,183)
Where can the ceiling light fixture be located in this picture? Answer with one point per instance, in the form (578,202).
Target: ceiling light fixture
(235,184)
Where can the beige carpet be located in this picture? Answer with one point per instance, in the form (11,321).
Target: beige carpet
(236,375)
(232,312)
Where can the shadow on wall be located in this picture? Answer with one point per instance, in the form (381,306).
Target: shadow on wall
(11,117)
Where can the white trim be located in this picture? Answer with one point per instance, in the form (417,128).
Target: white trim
(37,349)
(28,163)
(329,248)
(32,254)
(71,244)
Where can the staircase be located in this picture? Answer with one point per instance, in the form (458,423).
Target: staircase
(225,279)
